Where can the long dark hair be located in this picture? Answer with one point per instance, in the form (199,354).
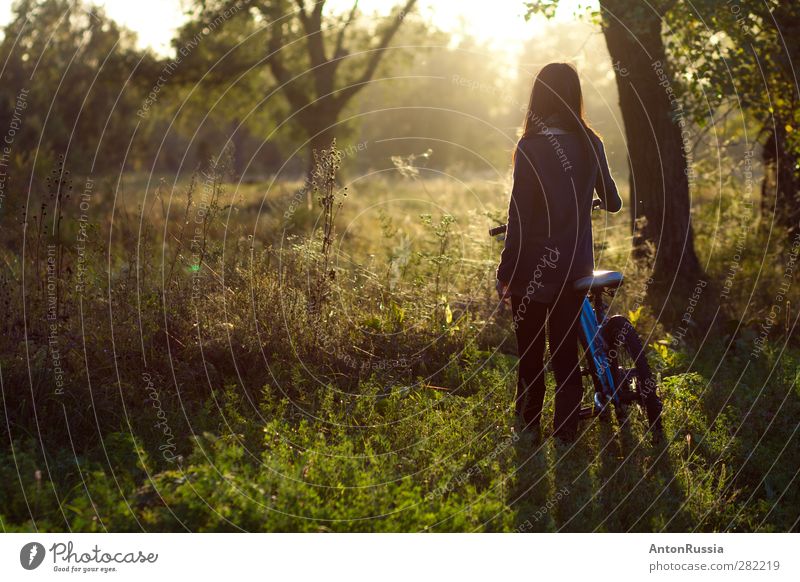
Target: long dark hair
(557,95)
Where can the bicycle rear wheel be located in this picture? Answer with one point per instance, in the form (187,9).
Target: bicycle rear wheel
(632,375)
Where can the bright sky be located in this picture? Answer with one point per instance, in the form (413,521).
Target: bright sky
(498,21)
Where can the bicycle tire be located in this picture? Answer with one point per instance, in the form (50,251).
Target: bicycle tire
(619,334)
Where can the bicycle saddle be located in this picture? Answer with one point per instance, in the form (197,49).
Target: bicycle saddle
(598,280)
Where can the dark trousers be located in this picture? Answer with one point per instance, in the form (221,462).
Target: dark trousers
(563,323)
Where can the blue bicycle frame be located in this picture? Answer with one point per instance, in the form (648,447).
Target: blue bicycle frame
(592,340)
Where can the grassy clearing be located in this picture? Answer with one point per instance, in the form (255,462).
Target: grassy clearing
(208,387)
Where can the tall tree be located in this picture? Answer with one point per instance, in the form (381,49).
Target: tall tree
(659,182)
(69,78)
(742,58)
(654,125)
(319,60)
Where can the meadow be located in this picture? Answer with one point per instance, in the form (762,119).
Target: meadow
(199,354)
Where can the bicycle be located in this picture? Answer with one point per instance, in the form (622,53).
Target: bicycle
(614,354)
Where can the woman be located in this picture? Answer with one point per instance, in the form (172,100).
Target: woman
(558,164)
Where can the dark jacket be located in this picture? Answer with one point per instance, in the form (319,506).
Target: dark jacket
(549,237)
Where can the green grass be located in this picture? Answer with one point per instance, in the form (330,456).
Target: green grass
(217,398)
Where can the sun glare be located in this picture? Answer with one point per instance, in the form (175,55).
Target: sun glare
(500,23)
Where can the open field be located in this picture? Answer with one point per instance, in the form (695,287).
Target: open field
(212,374)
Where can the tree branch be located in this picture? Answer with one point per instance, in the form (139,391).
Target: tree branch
(301,6)
(296,97)
(375,58)
(315,43)
(338,52)
(317,13)
(714,123)
(664,6)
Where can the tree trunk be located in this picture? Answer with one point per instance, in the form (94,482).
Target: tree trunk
(654,123)
(780,201)
(781,198)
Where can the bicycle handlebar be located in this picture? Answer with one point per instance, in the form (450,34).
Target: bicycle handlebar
(498,230)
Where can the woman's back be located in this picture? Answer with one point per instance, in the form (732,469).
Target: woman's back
(549,241)
(549,238)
